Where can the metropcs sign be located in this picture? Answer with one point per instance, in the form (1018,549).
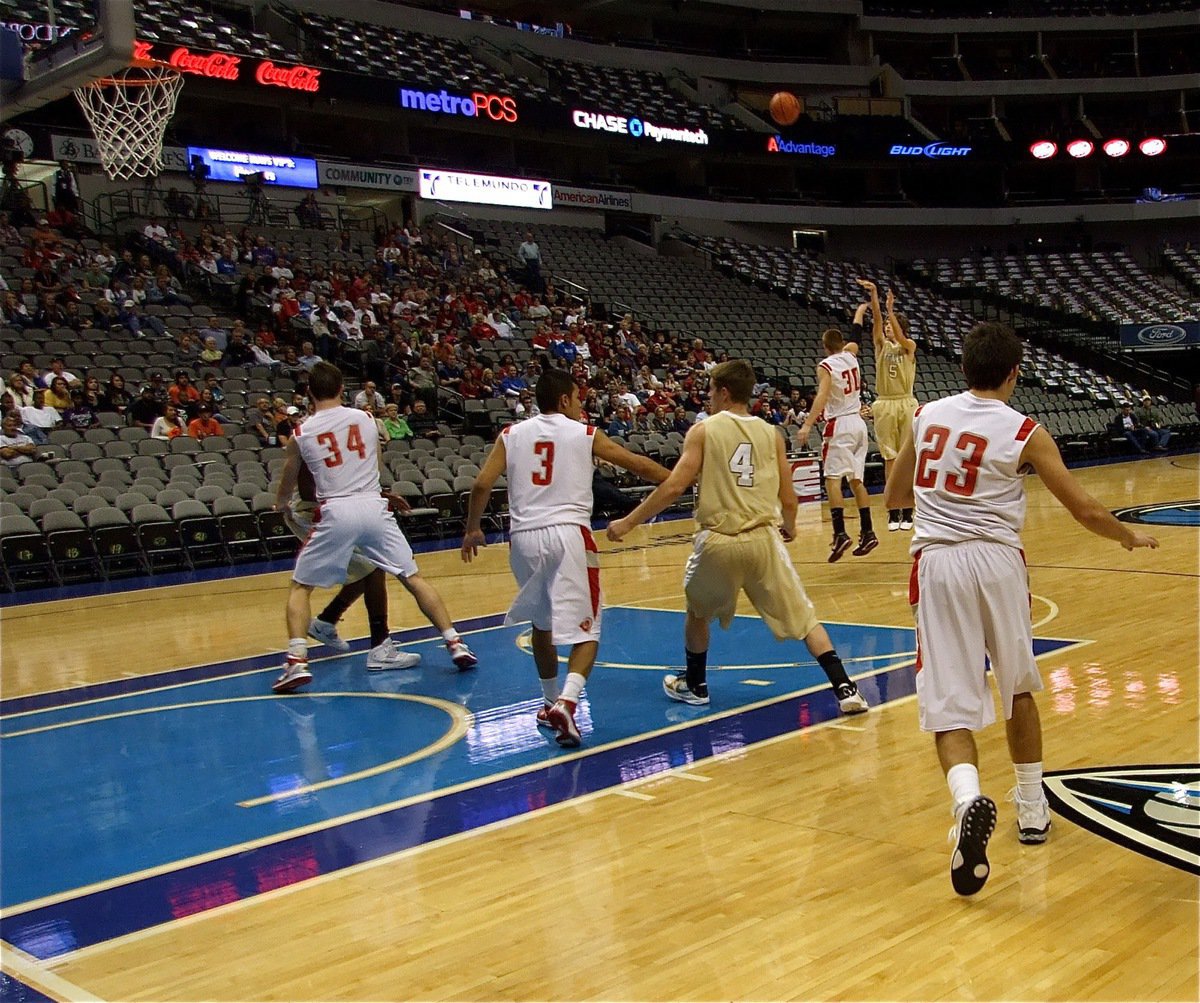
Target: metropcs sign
(636,127)
(223,66)
(478,105)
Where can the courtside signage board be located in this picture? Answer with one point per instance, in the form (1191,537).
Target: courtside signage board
(236,165)
(388,179)
(592,198)
(85,150)
(1166,335)
(485,189)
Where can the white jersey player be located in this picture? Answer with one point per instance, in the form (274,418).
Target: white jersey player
(844,450)
(548,463)
(340,446)
(969,588)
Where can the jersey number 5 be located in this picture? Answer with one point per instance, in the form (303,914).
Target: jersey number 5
(354,444)
(544,449)
(933,444)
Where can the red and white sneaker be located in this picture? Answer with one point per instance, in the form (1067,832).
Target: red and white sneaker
(561,717)
(542,718)
(462,656)
(295,676)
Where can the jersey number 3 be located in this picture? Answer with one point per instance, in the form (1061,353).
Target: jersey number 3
(933,445)
(354,444)
(543,476)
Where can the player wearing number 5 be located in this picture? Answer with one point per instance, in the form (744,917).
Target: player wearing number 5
(548,462)
(969,587)
(844,452)
(340,447)
(745,503)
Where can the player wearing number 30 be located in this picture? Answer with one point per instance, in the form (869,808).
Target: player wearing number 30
(548,464)
(965,463)
(340,446)
(745,488)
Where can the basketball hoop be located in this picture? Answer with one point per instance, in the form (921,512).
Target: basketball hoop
(128,113)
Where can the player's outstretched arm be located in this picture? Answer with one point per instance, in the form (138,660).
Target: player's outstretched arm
(481,491)
(898,492)
(604,448)
(903,340)
(1042,454)
(876,313)
(682,477)
(290,475)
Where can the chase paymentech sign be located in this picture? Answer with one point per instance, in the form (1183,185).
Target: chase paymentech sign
(485,189)
(638,128)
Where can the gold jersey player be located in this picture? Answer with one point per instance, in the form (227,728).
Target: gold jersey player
(895,374)
(744,505)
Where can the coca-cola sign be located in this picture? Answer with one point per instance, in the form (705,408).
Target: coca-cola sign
(296,78)
(224,66)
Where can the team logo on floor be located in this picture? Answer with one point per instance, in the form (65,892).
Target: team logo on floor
(1178,513)
(1154,810)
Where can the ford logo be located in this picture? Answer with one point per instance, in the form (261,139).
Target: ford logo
(1161,334)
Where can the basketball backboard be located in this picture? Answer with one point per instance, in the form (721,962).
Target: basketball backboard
(72,45)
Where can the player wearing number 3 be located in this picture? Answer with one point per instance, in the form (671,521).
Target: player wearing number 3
(745,488)
(844,453)
(969,587)
(340,446)
(548,462)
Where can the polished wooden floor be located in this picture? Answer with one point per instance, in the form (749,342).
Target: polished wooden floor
(810,867)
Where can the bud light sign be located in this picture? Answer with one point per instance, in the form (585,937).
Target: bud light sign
(934,151)
(1152,336)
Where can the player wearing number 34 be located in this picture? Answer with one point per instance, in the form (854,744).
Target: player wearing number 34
(340,447)
(965,464)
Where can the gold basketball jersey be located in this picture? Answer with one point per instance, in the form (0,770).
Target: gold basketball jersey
(895,372)
(739,483)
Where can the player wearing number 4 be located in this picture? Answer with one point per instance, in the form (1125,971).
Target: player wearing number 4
(548,460)
(745,487)
(340,446)
(844,452)
(969,587)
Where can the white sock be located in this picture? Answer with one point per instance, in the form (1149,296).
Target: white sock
(963,780)
(298,648)
(573,687)
(550,691)
(1029,781)
(451,635)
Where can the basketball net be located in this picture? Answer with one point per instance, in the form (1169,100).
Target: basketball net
(128,113)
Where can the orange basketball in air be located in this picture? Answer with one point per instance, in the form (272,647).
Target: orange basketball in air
(785,108)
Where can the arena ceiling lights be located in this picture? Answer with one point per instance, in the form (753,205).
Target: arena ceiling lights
(1079,149)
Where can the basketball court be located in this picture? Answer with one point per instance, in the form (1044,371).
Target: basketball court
(413,835)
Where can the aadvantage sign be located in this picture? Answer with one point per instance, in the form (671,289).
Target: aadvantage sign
(777,144)
(485,189)
(638,128)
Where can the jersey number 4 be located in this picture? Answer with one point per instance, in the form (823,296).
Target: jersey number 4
(354,444)
(742,464)
(933,445)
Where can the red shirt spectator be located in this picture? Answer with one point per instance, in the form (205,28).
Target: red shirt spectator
(204,425)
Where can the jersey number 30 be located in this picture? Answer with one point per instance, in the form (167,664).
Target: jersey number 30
(933,445)
(354,444)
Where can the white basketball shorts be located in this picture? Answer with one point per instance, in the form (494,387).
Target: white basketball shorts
(971,599)
(844,452)
(558,571)
(299,517)
(342,526)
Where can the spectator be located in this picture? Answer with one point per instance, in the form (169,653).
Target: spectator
(146,410)
(308,355)
(1151,421)
(395,423)
(66,188)
(531,257)
(154,231)
(22,390)
(37,420)
(661,422)
(1125,423)
(57,368)
(622,422)
(183,393)
(58,396)
(308,212)
(213,386)
(204,424)
(288,423)
(422,423)
(237,352)
(261,356)
(177,204)
(168,425)
(81,415)
(368,396)
(115,396)
(210,355)
(161,392)
(681,424)
(15,446)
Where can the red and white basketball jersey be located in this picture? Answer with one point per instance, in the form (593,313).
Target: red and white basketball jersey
(549,472)
(340,447)
(845,385)
(967,482)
